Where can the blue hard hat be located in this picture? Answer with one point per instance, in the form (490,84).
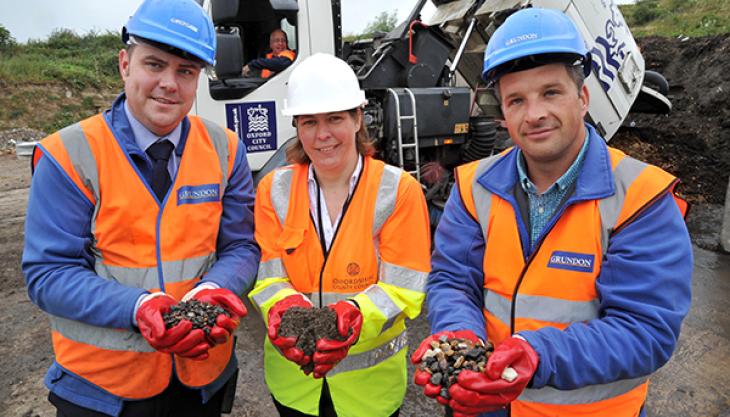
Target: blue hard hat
(544,35)
(180,24)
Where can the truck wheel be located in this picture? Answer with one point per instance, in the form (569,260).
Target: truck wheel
(656,81)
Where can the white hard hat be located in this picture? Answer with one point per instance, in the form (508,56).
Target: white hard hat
(322,83)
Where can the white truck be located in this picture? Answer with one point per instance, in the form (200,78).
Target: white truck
(428,109)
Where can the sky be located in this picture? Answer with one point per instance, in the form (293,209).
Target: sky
(36,19)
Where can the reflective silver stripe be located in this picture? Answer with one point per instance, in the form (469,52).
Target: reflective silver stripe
(584,395)
(626,172)
(273,268)
(387,196)
(403,277)
(372,357)
(482,197)
(387,307)
(82,158)
(270,291)
(101,337)
(84,163)
(220,141)
(542,308)
(280,189)
(173,271)
(330,297)
(498,306)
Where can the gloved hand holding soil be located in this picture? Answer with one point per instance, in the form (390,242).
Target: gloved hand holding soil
(309,325)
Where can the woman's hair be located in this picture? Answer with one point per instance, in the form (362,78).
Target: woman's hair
(295,152)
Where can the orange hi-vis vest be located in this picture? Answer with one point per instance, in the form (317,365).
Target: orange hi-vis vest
(379,257)
(140,244)
(286,53)
(518,295)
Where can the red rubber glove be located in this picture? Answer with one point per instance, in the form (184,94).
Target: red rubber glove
(330,352)
(225,326)
(181,339)
(487,390)
(423,378)
(287,345)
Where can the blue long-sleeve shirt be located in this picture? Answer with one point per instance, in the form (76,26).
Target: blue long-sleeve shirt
(643,286)
(59,266)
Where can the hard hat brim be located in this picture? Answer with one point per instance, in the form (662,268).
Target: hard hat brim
(315,108)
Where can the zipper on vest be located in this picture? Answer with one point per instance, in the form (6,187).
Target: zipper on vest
(322,243)
(529,260)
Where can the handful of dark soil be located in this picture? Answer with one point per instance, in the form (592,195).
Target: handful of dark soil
(309,325)
(202,315)
(448,357)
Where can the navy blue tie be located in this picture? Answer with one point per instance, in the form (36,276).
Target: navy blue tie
(160,152)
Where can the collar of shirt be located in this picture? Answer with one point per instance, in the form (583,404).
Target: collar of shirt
(144,137)
(562,183)
(328,227)
(313,182)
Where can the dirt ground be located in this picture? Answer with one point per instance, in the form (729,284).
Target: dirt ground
(693,142)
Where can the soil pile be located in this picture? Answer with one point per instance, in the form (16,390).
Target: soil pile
(309,325)
(693,141)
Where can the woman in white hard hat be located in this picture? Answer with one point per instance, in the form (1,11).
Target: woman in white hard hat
(341,230)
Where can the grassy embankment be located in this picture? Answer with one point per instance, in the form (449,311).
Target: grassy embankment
(672,18)
(48,84)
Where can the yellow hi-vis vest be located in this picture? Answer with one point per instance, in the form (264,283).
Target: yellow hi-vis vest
(378,257)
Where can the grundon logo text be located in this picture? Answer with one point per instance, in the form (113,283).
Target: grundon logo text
(198,194)
(570,261)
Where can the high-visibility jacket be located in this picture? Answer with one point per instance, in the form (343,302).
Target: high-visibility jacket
(137,246)
(558,293)
(290,55)
(379,257)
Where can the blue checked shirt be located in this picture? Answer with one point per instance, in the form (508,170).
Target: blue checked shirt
(543,206)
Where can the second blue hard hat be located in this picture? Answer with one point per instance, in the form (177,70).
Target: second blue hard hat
(181,24)
(533,32)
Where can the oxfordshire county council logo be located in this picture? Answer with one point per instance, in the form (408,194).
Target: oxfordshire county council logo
(353,269)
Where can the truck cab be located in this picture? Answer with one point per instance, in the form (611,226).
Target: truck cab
(251,106)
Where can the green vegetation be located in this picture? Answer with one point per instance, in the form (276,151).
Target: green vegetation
(65,58)
(384,23)
(49,84)
(7,42)
(677,17)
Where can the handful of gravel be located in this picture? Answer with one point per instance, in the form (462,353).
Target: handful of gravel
(202,315)
(448,357)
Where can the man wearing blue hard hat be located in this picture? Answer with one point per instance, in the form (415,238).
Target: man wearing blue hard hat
(131,212)
(571,258)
